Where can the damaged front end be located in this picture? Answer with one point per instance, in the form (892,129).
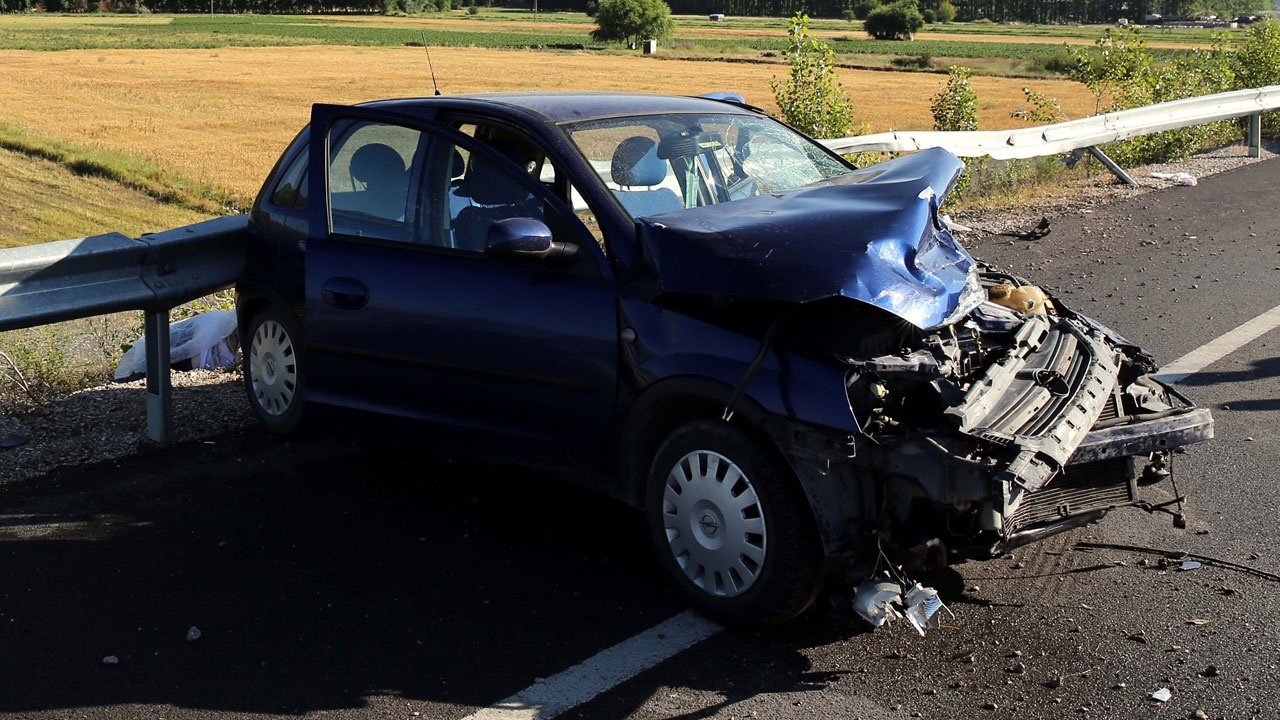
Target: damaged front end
(988,414)
(1007,427)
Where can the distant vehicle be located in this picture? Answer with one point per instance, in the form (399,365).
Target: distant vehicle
(790,364)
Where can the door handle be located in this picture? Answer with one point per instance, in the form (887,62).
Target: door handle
(345,293)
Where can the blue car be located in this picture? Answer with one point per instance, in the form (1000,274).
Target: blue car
(788,363)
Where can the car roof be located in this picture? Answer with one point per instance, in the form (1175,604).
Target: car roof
(558,107)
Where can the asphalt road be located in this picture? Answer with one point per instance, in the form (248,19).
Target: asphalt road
(347,576)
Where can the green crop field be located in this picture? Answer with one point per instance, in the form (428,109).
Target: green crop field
(750,38)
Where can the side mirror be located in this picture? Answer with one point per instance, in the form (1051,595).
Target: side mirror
(525,238)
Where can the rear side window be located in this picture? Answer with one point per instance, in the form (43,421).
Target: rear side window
(291,191)
(371,183)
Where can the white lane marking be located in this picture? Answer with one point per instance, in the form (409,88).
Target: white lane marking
(1221,346)
(603,671)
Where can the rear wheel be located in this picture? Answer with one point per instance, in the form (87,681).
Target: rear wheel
(730,526)
(273,370)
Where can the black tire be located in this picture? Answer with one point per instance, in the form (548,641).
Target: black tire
(741,546)
(274,376)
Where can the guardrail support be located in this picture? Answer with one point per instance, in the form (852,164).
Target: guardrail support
(1255,135)
(159,388)
(1112,166)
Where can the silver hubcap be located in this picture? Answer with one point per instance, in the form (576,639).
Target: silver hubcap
(714,523)
(273,368)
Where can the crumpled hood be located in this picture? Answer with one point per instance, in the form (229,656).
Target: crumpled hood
(871,235)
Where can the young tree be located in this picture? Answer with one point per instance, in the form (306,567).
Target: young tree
(812,99)
(632,21)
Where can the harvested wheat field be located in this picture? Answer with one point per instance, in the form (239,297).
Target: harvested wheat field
(221,117)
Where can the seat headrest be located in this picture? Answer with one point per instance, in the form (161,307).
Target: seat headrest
(375,162)
(636,162)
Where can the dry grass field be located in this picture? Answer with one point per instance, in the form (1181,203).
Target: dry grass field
(221,117)
(46,201)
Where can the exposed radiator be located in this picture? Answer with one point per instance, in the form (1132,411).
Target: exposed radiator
(1076,490)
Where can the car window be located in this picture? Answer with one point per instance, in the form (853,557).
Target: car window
(657,164)
(291,191)
(371,193)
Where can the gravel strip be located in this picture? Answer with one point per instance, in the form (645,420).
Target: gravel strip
(109,422)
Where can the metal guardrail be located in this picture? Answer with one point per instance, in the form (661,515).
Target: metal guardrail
(1086,133)
(70,279)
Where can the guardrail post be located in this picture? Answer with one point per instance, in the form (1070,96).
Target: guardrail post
(1112,166)
(159,389)
(1255,135)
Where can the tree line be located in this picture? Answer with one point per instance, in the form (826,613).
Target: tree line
(1029,11)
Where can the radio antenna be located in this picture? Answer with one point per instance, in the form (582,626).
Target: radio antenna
(429,65)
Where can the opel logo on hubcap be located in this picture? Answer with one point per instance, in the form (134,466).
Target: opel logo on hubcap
(709,524)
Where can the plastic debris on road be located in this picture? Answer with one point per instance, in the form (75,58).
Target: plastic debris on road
(923,605)
(1177,178)
(111,660)
(1189,565)
(874,602)
(193,634)
(878,602)
(1162,695)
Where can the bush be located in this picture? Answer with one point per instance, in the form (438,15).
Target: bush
(946,11)
(955,108)
(1122,74)
(1059,62)
(1256,63)
(848,14)
(899,21)
(929,15)
(812,99)
(632,21)
(863,8)
(912,62)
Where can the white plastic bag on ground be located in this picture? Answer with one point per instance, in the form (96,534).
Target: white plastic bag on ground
(207,342)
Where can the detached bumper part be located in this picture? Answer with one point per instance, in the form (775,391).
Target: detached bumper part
(1143,437)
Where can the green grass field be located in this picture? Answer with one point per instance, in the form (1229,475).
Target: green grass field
(697,37)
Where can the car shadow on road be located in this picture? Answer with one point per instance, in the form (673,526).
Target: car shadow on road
(324,574)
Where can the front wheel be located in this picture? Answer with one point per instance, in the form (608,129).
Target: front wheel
(273,371)
(730,527)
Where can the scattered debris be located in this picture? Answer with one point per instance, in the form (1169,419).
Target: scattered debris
(1175,555)
(1176,178)
(1210,671)
(877,602)
(1016,669)
(111,660)
(193,634)
(1188,565)
(1162,695)
(1139,637)
(1198,622)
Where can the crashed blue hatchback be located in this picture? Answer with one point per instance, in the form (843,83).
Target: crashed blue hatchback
(789,364)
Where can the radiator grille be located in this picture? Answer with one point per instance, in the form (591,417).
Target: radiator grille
(1110,411)
(1078,489)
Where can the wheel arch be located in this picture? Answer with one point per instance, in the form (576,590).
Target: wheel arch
(664,406)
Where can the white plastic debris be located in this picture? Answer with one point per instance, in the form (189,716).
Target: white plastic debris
(193,634)
(1162,695)
(874,602)
(1178,178)
(1189,565)
(207,341)
(878,602)
(922,605)
(111,660)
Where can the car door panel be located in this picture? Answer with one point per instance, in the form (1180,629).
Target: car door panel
(519,353)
